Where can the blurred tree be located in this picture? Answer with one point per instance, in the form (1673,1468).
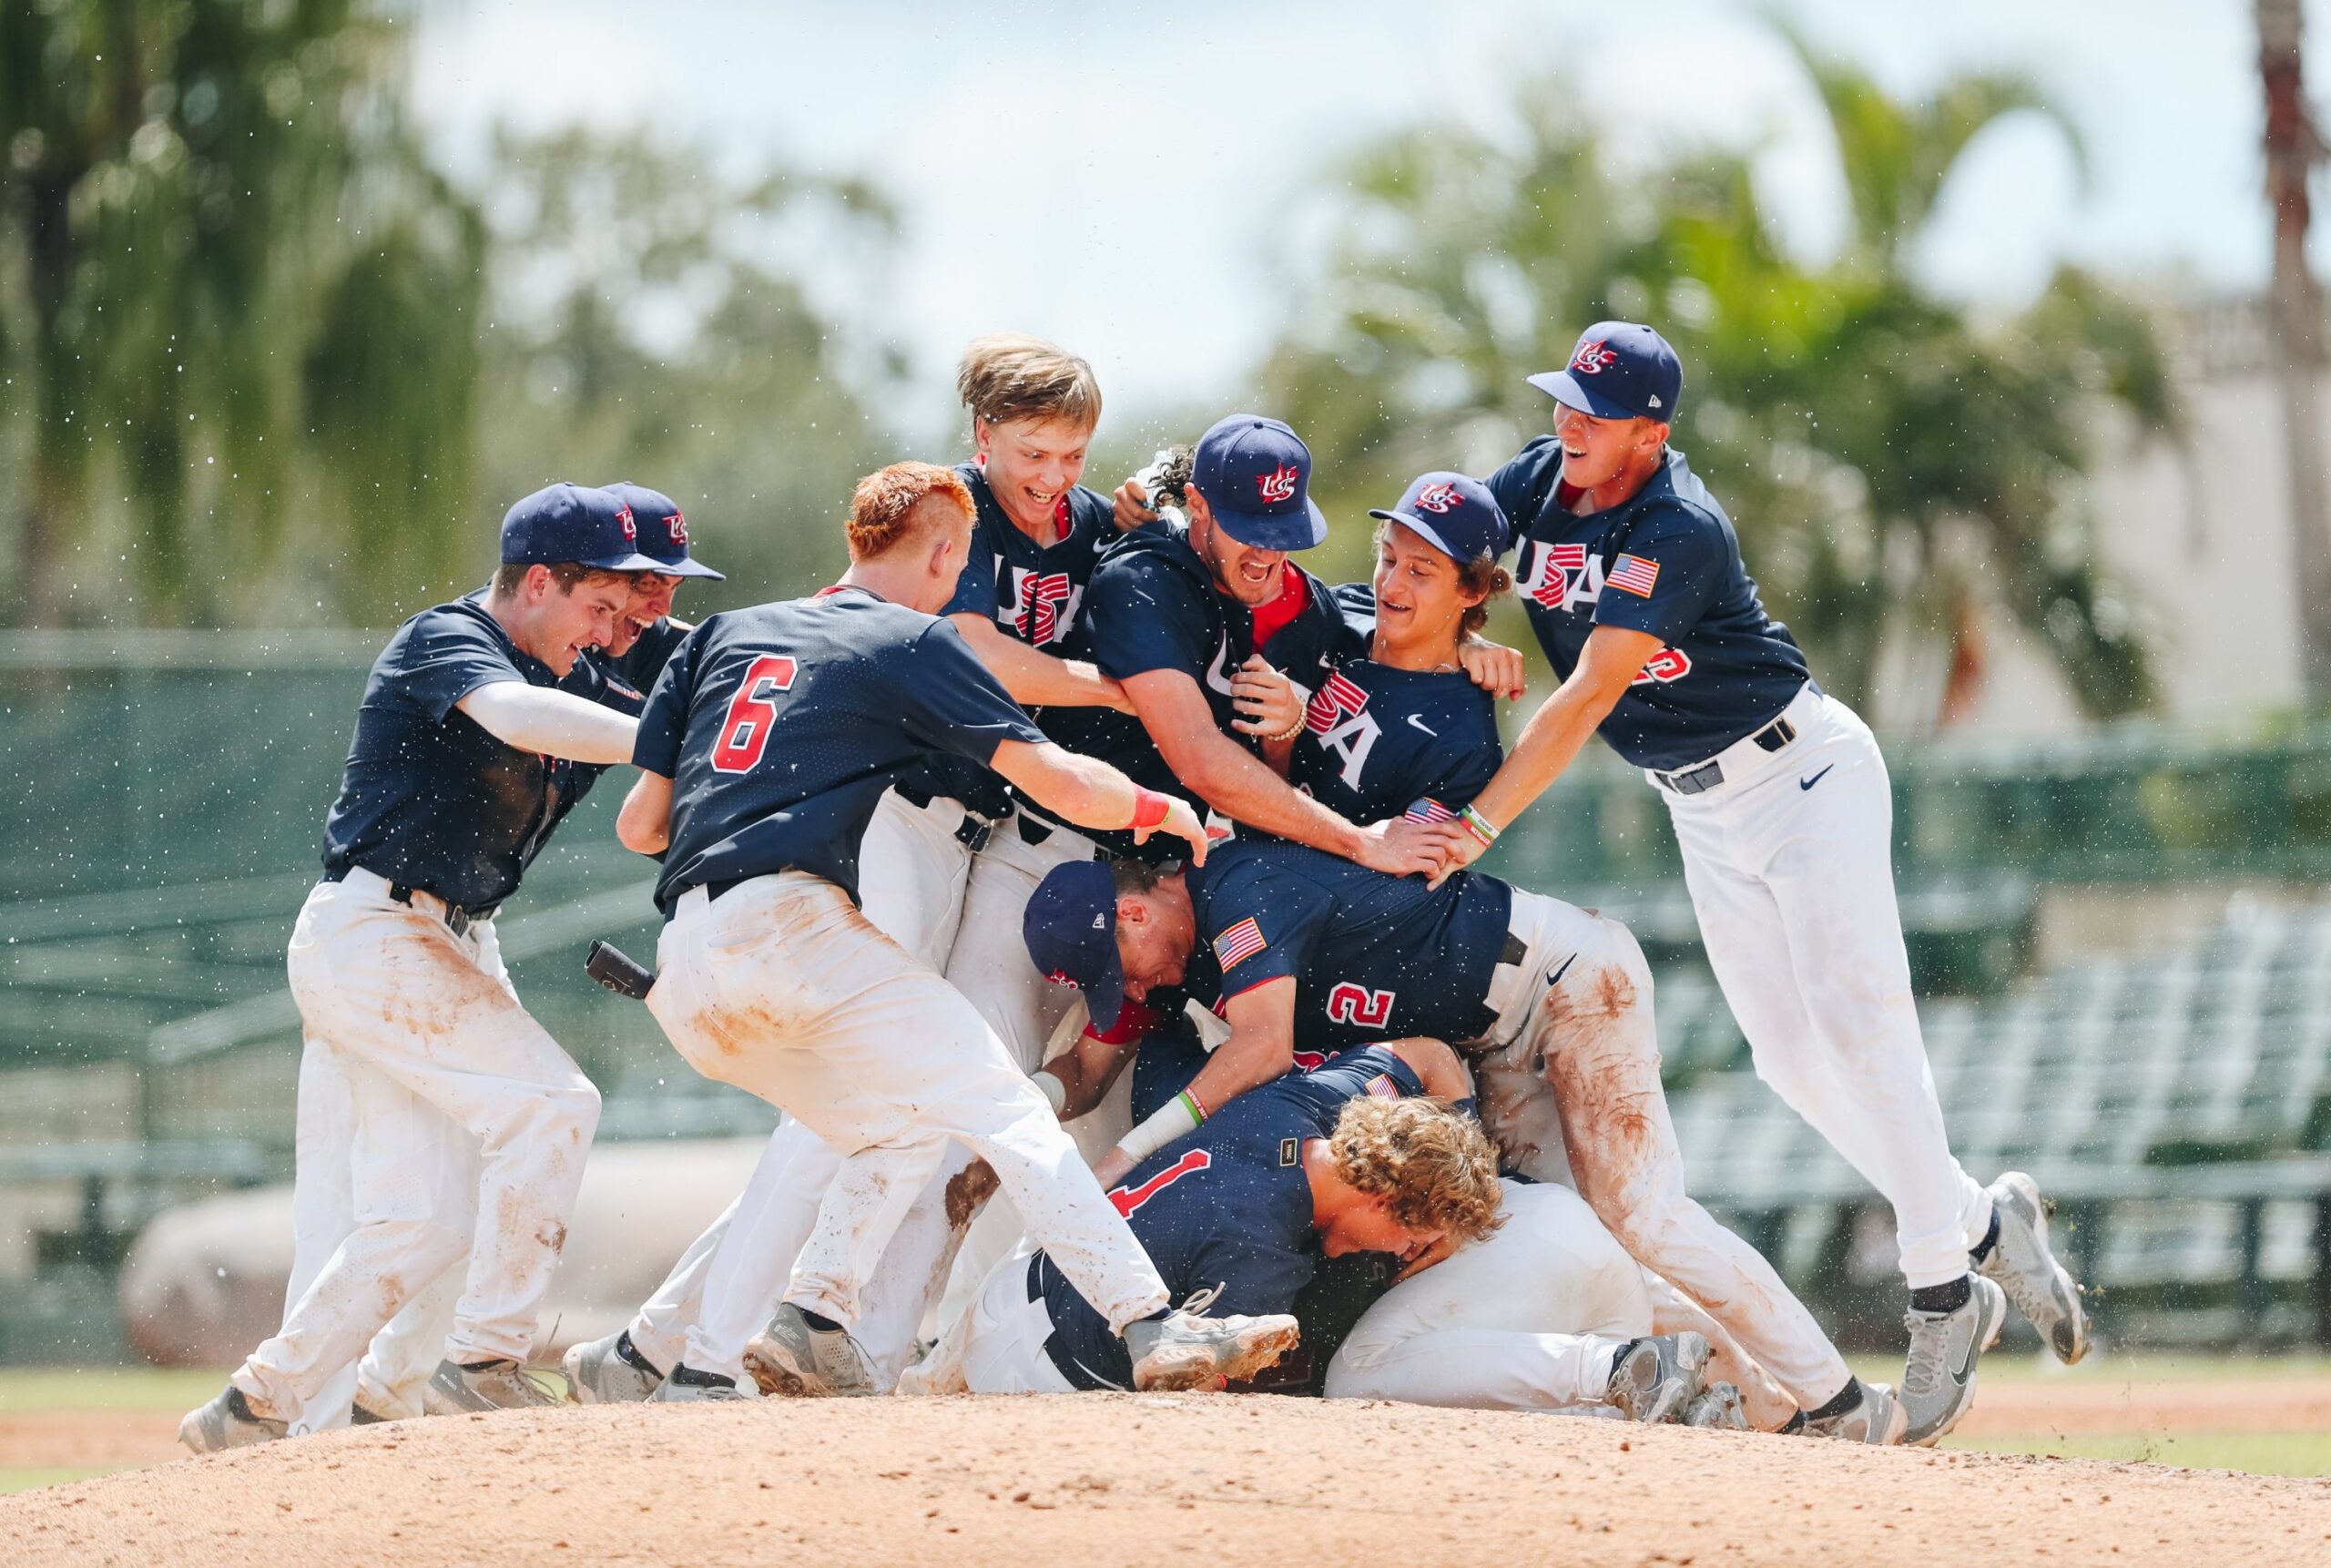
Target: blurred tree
(1891,464)
(238,295)
(649,324)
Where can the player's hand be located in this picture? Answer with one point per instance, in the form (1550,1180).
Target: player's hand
(1183,824)
(1267,701)
(1425,1259)
(1464,852)
(1131,502)
(1407,848)
(1494,668)
(1112,1168)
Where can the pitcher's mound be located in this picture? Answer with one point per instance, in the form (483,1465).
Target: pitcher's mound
(1106,1479)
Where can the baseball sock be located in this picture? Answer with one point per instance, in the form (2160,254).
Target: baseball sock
(1848,1398)
(819,1321)
(687,1377)
(1982,1248)
(1945,1298)
(629,1353)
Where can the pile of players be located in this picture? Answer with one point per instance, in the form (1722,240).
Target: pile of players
(1086,883)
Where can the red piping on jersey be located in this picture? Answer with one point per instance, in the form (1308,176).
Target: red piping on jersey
(1294,596)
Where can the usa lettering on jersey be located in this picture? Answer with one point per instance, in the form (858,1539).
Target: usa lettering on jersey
(1338,717)
(1562,578)
(1043,605)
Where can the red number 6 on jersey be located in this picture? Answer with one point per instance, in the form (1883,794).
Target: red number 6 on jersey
(743,733)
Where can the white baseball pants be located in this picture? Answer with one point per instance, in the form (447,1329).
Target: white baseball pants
(1573,1064)
(1790,865)
(470,1127)
(1530,1318)
(784,988)
(913,865)
(996,1345)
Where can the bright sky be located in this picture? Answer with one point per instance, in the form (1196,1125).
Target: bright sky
(1126,177)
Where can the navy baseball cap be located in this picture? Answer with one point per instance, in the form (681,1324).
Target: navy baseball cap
(574,522)
(1455,515)
(1619,370)
(1071,928)
(663,532)
(1256,476)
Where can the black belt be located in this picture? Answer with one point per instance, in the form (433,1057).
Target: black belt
(971,832)
(1035,830)
(1708,775)
(457,919)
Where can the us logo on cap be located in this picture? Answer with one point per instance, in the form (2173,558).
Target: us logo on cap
(1594,358)
(1438,498)
(1278,484)
(678,525)
(630,528)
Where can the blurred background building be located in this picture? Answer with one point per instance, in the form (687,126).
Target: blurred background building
(2002,342)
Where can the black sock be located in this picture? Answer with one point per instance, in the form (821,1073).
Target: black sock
(628,1354)
(1848,1398)
(690,1377)
(1948,1297)
(818,1321)
(482,1366)
(1791,1426)
(238,1406)
(1982,1248)
(1621,1359)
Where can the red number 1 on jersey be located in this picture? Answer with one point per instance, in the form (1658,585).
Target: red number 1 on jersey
(744,734)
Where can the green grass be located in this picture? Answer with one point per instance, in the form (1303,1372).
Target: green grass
(26,1390)
(2259,1453)
(27,1479)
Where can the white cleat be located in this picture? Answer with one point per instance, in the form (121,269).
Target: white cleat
(793,1359)
(1654,1378)
(1187,1350)
(1939,1381)
(2022,1264)
(688,1386)
(1877,1418)
(454,1390)
(227,1421)
(1718,1407)
(608,1372)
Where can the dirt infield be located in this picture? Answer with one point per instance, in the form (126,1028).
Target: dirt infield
(1121,1479)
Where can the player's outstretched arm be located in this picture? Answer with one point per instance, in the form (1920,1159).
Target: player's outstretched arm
(1612,657)
(553,723)
(1035,678)
(1232,781)
(644,826)
(1441,1070)
(1090,793)
(1085,1071)
(1261,1047)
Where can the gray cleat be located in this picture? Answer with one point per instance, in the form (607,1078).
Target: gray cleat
(1939,1381)
(2022,1264)
(1187,1350)
(795,1360)
(454,1390)
(686,1386)
(361,1414)
(227,1421)
(1878,1419)
(599,1373)
(1718,1407)
(1654,1378)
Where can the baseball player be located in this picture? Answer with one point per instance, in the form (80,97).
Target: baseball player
(1632,580)
(1329,1163)
(470,1125)
(764,748)
(389,1379)
(1036,535)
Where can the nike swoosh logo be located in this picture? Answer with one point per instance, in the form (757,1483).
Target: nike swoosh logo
(1809,783)
(1420,724)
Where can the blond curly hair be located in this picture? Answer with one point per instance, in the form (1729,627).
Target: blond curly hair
(1434,1168)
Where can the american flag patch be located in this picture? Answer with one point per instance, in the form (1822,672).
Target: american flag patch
(1383,1088)
(1239,943)
(1633,573)
(1429,810)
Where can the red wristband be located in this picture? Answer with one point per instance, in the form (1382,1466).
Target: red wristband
(1149,808)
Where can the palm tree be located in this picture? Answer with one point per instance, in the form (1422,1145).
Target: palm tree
(240,297)
(1891,464)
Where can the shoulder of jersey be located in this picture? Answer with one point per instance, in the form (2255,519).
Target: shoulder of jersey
(1687,497)
(1151,549)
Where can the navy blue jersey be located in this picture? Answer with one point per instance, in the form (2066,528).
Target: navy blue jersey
(428,798)
(1227,1206)
(1373,956)
(1033,593)
(1666,561)
(1152,605)
(1380,741)
(629,679)
(781,726)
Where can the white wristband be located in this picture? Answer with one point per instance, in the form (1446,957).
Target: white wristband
(1053,1089)
(1168,1122)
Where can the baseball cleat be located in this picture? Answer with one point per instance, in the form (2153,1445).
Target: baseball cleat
(1187,1350)
(1718,1407)
(2022,1264)
(455,1389)
(686,1386)
(361,1414)
(227,1421)
(608,1371)
(1654,1379)
(1877,1418)
(1939,1382)
(794,1359)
